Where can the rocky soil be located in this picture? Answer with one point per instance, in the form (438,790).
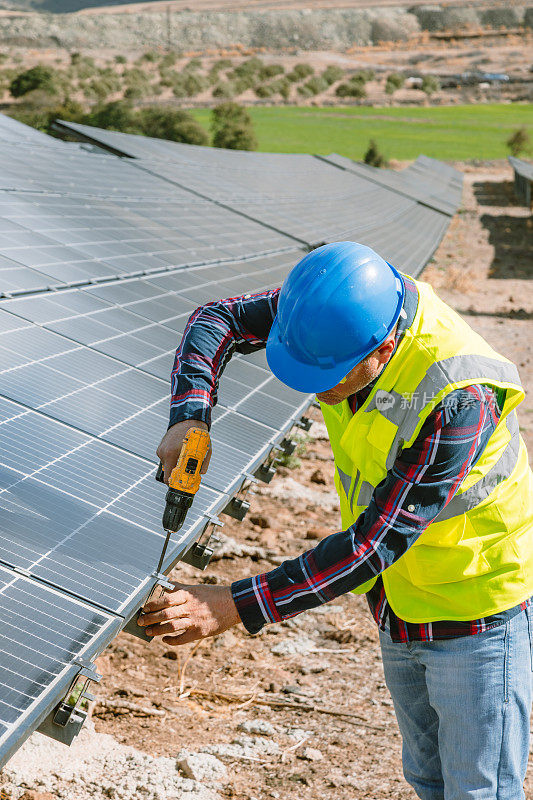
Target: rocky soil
(300,711)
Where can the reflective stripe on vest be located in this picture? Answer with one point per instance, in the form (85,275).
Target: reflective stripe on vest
(476,557)
(470,498)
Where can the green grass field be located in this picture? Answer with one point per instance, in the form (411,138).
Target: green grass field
(446,132)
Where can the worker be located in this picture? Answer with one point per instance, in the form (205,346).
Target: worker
(436,503)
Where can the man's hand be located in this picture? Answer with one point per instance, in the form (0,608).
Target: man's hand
(170,445)
(188,613)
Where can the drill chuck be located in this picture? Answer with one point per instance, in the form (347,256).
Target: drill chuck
(177,505)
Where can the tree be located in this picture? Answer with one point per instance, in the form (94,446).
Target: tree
(117,116)
(373,156)
(519,142)
(35,110)
(171,123)
(39,77)
(232,127)
(226,113)
(235,137)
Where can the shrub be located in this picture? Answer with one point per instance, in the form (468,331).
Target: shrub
(163,123)
(332,74)
(229,112)
(299,72)
(264,91)
(39,77)
(168,60)
(235,137)
(218,66)
(282,86)
(251,65)
(137,84)
(100,88)
(430,84)
(194,84)
(171,123)
(313,86)
(83,67)
(118,116)
(149,56)
(187,84)
(244,83)
(519,142)
(193,65)
(374,156)
(364,75)
(35,110)
(121,60)
(222,63)
(354,89)
(394,81)
(232,127)
(136,92)
(270,71)
(224,90)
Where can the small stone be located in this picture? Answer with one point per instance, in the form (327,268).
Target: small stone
(293,689)
(259,520)
(259,727)
(318,477)
(202,767)
(317,533)
(31,794)
(293,647)
(172,655)
(311,754)
(314,668)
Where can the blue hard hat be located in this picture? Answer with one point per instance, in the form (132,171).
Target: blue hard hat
(336,306)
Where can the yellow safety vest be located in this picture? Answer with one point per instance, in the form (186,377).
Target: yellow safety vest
(476,557)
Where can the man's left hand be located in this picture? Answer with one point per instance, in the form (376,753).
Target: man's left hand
(188,613)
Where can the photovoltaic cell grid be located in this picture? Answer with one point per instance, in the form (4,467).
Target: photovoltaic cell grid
(85,369)
(356,202)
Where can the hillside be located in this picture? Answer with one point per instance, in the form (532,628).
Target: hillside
(199,6)
(284,30)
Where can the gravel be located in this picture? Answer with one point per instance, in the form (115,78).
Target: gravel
(259,727)
(97,766)
(202,767)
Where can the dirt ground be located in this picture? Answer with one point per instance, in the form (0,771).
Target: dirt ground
(222,694)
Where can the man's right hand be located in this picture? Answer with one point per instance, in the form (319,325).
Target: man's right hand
(170,445)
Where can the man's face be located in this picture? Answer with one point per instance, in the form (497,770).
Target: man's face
(361,375)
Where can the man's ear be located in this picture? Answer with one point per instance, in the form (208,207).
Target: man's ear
(385,350)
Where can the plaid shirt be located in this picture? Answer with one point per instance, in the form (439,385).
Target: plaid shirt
(421,482)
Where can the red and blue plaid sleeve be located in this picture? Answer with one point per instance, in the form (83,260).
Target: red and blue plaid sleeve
(214,331)
(422,481)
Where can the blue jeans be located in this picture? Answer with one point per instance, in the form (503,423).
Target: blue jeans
(463,708)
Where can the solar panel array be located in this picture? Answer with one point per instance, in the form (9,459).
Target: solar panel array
(102,260)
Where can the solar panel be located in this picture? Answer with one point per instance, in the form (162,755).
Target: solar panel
(44,635)
(356,202)
(102,261)
(423,181)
